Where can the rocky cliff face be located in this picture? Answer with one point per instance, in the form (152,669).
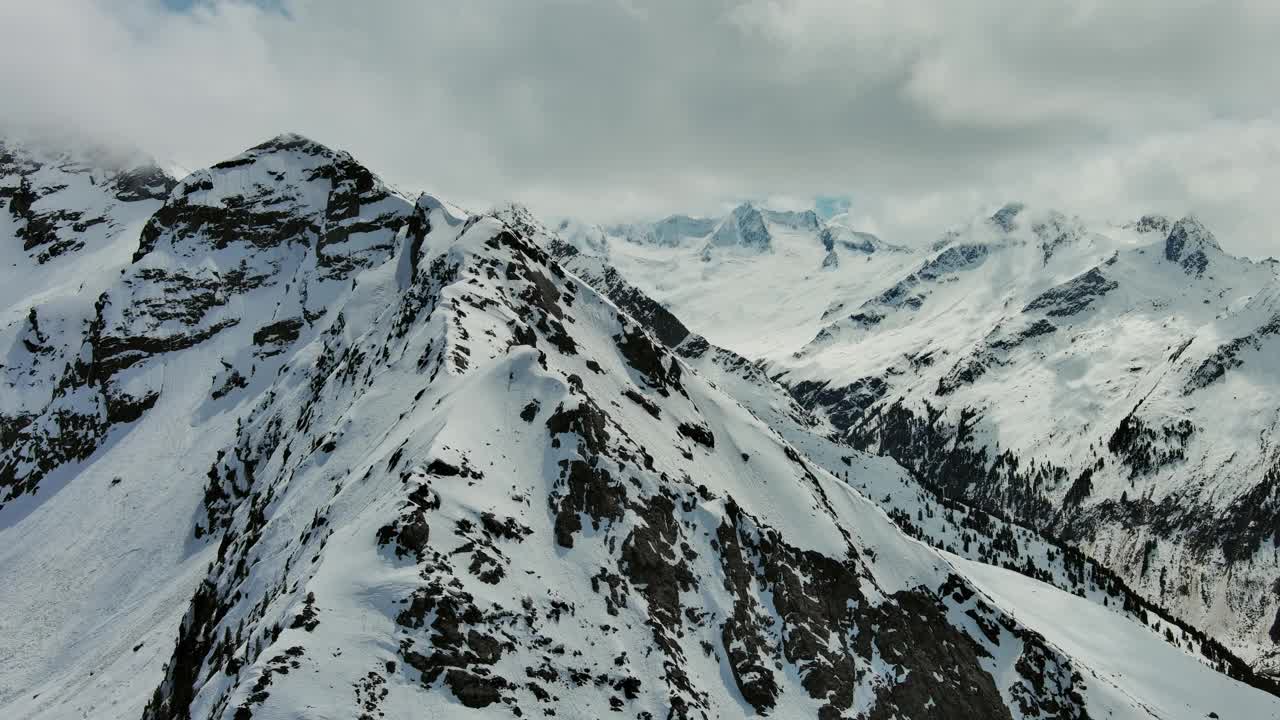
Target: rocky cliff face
(324,449)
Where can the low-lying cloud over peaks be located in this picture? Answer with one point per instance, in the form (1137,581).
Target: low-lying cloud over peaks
(923,111)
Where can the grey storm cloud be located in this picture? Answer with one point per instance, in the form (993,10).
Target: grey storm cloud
(924,111)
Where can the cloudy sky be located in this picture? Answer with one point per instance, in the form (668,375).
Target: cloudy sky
(922,112)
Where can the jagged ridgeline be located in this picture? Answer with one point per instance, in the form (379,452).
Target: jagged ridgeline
(326,450)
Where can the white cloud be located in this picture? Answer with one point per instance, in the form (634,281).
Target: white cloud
(923,110)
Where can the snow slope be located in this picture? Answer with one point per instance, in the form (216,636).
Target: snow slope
(1163,684)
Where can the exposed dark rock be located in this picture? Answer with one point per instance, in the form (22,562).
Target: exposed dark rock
(586,490)
(659,369)
(1073,296)
(945,678)
(237,221)
(644,402)
(143,183)
(308,619)
(410,533)
(744,638)
(1187,244)
(1153,224)
(651,560)
(21,200)
(700,434)
(278,333)
(966,372)
(474,691)
(196,639)
(1037,329)
(530,411)
(461,649)
(586,421)
(113,354)
(232,380)
(845,406)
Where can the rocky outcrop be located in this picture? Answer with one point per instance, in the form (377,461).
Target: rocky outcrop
(743,228)
(1074,296)
(1190,244)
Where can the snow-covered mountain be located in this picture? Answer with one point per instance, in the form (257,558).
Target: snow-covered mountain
(1112,385)
(314,448)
